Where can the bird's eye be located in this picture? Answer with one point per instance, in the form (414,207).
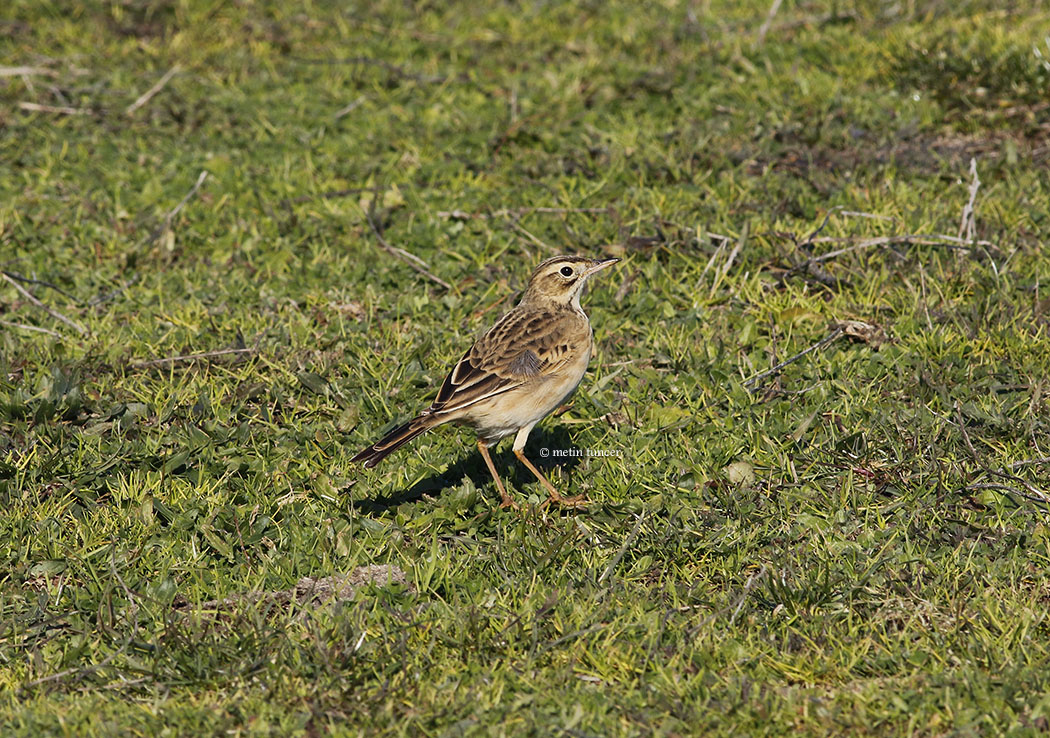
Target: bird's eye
(566,271)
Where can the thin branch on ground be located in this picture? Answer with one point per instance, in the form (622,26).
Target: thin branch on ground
(27,72)
(308,590)
(529,235)
(478,314)
(56,109)
(764,28)
(627,543)
(919,239)
(29,280)
(872,216)
(50,311)
(505,212)
(1042,500)
(190,357)
(148,95)
(711,261)
(925,301)
(813,270)
(1032,489)
(721,274)
(347,109)
(189,196)
(1029,462)
(1032,493)
(699,233)
(835,333)
(922,239)
(166,222)
(749,587)
(36,328)
(409,258)
(968,221)
(811,238)
(107,296)
(810,264)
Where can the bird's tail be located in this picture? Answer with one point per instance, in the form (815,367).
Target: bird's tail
(394,440)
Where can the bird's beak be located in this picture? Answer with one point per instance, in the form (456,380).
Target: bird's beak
(597,266)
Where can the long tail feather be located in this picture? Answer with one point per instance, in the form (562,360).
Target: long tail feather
(392,441)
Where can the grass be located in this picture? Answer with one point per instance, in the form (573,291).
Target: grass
(858,546)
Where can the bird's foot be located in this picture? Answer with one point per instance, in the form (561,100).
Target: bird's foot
(508,502)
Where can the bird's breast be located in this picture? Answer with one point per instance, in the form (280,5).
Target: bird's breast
(506,413)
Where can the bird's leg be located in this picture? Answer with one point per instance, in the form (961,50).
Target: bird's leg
(556,496)
(507,501)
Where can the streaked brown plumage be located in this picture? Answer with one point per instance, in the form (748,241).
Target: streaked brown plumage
(517,372)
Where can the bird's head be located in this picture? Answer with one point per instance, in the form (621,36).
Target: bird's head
(560,280)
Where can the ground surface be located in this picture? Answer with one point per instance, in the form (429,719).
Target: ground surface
(859,546)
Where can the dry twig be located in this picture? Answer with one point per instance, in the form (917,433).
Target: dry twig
(166,223)
(835,333)
(189,196)
(53,313)
(1029,462)
(36,328)
(190,357)
(921,239)
(56,109)
(42,283)
(409,258)
(27,71)
(749,587)
(1042,499)
(505,212)
(347,109)
(734,253)
(764,29)
(872,216)
(967,223)
(811,264)
(516,225)
(711,261)
(146,96)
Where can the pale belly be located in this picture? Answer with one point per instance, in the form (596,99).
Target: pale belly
(507,413)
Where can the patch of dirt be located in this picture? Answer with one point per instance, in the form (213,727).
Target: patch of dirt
(307,591)
(927,154)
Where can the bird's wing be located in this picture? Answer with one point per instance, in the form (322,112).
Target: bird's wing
(518,348)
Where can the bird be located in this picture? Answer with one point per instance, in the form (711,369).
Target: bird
(516,373)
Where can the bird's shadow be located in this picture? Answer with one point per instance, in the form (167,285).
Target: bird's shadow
(472,465)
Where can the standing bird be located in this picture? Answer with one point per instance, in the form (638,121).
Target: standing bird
(517,373)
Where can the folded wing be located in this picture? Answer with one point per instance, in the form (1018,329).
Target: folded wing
(519,348)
